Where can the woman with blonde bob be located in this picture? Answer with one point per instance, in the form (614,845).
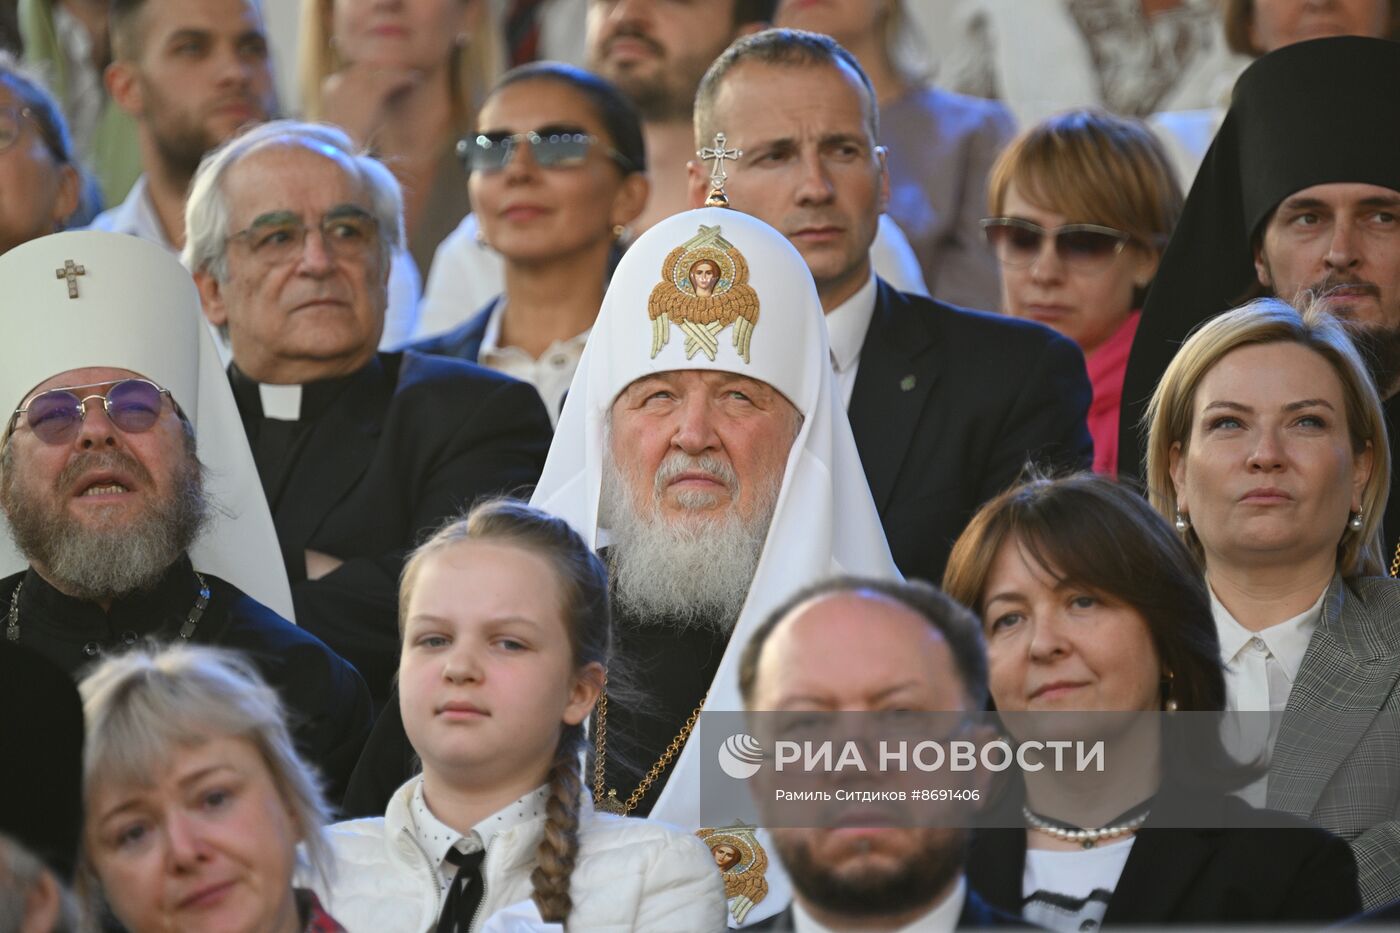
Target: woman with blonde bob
(1267,449)
(196,799)
(1082,205)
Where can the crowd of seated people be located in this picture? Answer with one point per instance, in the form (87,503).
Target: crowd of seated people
(325,608)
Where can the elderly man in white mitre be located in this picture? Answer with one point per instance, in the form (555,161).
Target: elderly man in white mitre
(703,448)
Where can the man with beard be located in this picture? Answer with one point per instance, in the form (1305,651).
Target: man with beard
(191,73)
(119,404)
(947,405)
(1299,196)
(703,449)
(656,54)
(869,646)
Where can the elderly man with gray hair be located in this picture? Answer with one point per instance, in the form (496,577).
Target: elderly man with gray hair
(289,236)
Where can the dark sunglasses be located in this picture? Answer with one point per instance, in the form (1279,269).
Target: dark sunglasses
(491,152)
(1018,242)
(133,405)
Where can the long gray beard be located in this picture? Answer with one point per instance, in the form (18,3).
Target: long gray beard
(107,562)
(684,574)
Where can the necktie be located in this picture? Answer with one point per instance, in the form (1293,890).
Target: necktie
(464,897)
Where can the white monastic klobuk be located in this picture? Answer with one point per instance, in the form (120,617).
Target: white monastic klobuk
(137,308)
(825,521)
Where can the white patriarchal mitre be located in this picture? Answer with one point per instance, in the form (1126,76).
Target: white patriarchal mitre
(764,321)
(133,306)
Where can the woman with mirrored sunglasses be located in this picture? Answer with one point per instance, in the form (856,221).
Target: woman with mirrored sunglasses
(557,171)
(1082,205)
(404,79)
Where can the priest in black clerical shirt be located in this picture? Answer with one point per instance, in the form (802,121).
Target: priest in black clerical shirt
(129,496)
(361,453)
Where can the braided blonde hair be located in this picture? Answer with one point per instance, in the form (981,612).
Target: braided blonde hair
(583,584)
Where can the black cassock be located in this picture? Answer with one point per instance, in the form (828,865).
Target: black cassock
(327,702)
(377,460)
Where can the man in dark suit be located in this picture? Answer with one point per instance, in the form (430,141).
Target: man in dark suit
(947,405)
(289,237)
(870,646)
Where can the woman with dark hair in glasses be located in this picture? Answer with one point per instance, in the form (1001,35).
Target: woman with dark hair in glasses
(1082,206)
(557,172)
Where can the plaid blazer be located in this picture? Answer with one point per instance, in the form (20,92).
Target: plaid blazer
(1337,758)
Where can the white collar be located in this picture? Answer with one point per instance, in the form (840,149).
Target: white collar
(491,338)
(1287,641)
(282,403)
(847,323)
(437,838)
(490,341)
(941,919)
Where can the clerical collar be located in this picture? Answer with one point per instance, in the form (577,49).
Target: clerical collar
(280,402)
(286,402)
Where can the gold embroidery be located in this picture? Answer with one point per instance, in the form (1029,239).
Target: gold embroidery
(741,860)
(704,288)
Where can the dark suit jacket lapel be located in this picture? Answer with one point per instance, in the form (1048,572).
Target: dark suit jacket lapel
(334,454)
(1160,870)
(897,369)
(1342,683)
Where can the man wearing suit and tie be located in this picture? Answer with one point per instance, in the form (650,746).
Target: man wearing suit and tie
(947,405)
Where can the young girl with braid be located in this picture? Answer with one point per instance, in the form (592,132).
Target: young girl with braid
(505,625)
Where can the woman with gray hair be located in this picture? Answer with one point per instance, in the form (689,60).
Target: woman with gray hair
(196,800)
(1268,451)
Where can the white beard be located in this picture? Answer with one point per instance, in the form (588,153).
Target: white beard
(683,573)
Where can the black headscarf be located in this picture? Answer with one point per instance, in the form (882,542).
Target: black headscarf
(41,757)
(1308,114)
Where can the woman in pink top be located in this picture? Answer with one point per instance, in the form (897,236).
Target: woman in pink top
(1082,206)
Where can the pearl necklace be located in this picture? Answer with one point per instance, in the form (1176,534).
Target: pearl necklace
(1088,838)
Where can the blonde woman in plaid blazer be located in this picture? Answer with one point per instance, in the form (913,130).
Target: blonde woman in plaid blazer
(1268,449)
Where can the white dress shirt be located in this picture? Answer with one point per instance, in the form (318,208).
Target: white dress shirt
(1260,668)
(846,325)
(941,919)
(550,374)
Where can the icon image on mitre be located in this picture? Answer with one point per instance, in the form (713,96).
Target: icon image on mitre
(740,858)
(704,288)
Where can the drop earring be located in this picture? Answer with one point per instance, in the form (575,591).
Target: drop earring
(1356,522)
(1181,522)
